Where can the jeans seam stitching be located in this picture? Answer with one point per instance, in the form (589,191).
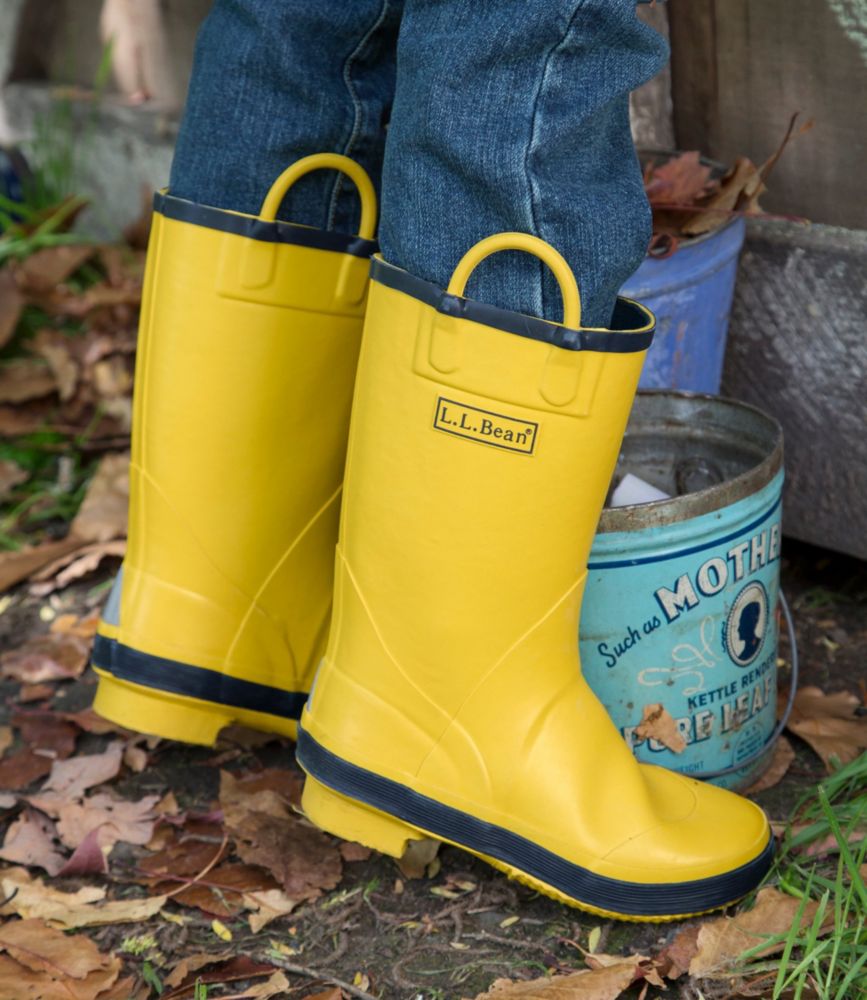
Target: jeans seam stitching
(357,105)
(532,145)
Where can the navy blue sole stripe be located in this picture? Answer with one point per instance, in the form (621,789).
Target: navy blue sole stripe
(637,899)
(629,319)
(253,228)
(174,677)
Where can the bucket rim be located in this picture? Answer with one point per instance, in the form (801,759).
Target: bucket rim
(657,513)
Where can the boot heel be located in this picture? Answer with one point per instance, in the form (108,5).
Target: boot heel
(351,820)
(145,710)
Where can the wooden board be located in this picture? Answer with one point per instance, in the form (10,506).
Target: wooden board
(741,68)
(650,106)
(797,348)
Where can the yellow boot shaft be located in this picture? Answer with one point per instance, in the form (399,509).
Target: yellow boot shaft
(481,448)
(248,347)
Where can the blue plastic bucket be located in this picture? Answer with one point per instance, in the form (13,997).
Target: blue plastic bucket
(680,607)
(690,293)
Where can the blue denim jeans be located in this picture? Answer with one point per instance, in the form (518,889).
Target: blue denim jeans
(472,117)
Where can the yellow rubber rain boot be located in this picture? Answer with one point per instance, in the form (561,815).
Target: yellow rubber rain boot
(450,702)
(248,346)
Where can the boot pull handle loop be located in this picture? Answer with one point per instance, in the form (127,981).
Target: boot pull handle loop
(325,161)
(530,244)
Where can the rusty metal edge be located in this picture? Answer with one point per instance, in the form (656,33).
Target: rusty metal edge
(636,517)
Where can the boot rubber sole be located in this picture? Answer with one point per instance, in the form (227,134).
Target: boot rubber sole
(351,802)
(178,701)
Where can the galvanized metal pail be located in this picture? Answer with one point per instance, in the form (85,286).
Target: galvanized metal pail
(681,601)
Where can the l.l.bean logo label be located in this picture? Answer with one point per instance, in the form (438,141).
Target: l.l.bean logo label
(485,426)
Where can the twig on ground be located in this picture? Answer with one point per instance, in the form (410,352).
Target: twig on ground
(325,977)
(204,871)
(509,942)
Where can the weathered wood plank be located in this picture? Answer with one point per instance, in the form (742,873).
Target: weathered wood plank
(797,348)
(650,106)
(692,29)
(742,68)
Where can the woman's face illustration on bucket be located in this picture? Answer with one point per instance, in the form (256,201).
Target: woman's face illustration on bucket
(746,624)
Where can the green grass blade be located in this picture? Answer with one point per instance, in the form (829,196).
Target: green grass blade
(845,853)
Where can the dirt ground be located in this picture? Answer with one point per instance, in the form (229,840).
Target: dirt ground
(451,933)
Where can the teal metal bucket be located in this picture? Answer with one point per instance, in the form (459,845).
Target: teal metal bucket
(681,602)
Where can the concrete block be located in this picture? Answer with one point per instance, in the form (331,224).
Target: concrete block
(797,349)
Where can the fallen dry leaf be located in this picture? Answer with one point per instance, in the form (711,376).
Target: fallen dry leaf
(54,348)
(114,263)
(255,791)
(720,942)
(135,758)
(350,851)
(680,180)
(11,305)
(114,819)
(42,270)
(26,418)
(26,896)
(23,768)
(88,858)
(112,378)
(302,859)
(829,724)
(18,566)
(46,731)
(595,984)
(739,190)
(276,984)
(18,982)
(90,722)
(43,963)
(11,475)
(674,959)
(103,512)
(126,989)
(28,693)
(49,657)
(238,968)
(193,872)
(222,891)
(416,858)
(30,898)
(192,963)
(70,779)
(645,967)
(84,628)
(687,201)
(167,805)
(44,949)
(267,905)
(180,861)
(31,840)
(102,295)
(781,760)
(25,378)
(74,565)
(657,724)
